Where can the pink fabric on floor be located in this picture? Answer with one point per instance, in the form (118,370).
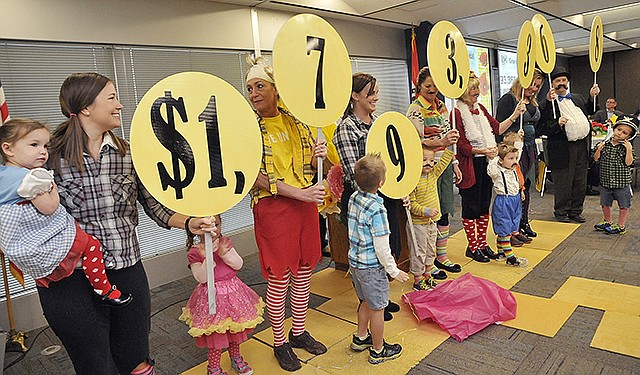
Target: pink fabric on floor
(464,306)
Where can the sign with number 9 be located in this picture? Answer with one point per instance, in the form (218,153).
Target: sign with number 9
(545,45)
(312,70)
(526,54)
(596,41)
(448,59)
(196,144)
(396,139)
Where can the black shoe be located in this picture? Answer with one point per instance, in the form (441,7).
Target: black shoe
(392,307)
(387,316)
(358,345)
(476,255)
(389,351)
(440,275)
(454,267)
(578,218)
(527,231)
(563,218)
(592,191)
(521,237)
(489,253)
(516,242)
(307,342)
(123,300)
(287,359)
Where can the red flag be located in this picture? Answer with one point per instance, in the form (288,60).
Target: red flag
(4,116)
(4,110)
(415,65)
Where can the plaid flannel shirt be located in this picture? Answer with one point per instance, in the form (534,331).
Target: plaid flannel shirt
(302,160)
(103,198)
(367,218)
(350,139)
(614,172)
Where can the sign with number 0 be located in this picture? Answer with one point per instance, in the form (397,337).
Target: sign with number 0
(448,59)
(395,138)
(545,45)
(196,144)
(312,70)
(596,41)
(526,54)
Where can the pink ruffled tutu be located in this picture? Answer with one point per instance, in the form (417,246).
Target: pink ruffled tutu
(238,311)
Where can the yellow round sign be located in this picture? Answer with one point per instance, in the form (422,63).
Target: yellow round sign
(312,70)
(526,54)
(196,144)
(448,59)
(596,44)
(545,45)
(395,138)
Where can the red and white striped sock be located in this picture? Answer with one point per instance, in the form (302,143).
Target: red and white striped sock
(469,226)
(483,224)
(276,299)
(300,289)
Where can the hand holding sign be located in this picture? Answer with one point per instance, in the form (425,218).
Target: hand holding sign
(196,147)
(596,41)
(319,90)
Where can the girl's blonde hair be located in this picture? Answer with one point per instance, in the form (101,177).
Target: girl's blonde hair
(16,129)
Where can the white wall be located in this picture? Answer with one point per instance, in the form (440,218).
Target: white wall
(188,23)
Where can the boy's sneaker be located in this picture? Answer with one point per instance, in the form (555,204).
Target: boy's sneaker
(516,242)
(239,365)
(500,257)
(602,225)
(489,253)
(358,345)
(521,237)
(517,262)
(439,274)
(389,351)
(615,229)
(425,284)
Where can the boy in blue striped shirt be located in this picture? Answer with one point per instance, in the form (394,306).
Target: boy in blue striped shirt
(370,259)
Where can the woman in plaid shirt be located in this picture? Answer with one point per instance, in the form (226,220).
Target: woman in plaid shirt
(100,188)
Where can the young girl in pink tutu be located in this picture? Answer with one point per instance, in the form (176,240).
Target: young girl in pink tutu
(238,308)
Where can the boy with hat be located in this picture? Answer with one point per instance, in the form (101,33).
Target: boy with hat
(615,157)
(568,144)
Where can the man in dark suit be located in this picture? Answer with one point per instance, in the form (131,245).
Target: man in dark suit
(568,144)
(604,115)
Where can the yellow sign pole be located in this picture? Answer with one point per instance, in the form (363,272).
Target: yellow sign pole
(319,90)
(196,147)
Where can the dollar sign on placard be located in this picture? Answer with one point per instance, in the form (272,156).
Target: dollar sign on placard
(173,141)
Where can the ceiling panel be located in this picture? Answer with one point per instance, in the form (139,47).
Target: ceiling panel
(494,22)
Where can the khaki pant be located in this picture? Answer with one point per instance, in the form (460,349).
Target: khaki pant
(425,253)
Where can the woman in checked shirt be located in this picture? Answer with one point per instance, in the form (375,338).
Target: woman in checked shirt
(100,188)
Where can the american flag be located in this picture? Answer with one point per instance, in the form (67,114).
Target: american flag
(4,116)
(4,110)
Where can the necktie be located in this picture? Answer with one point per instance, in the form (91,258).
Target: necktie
(560,97)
